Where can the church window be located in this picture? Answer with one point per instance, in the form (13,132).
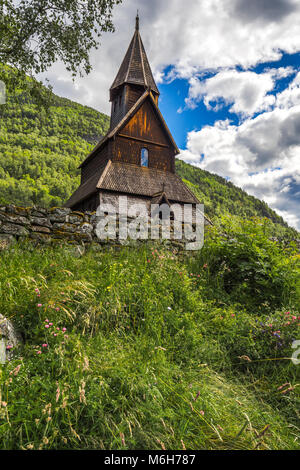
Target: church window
(144,157)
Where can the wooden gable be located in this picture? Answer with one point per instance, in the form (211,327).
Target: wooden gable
(146,125)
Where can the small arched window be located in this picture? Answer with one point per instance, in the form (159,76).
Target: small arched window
(144,157)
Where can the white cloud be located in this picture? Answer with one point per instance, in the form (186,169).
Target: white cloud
(246,92)
(261,155)
(206,34)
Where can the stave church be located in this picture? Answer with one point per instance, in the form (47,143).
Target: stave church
(136,158)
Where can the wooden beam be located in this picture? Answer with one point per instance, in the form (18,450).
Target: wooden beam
(143,140)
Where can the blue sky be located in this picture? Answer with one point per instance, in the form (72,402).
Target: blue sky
(229,76)
(174,93)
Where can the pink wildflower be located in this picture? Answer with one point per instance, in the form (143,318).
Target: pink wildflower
(64,329)
(50,324)
(39,352)
(46,326)
(39,305)
(45,345)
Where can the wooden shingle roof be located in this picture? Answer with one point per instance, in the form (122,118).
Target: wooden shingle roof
(126,178)
(135,67)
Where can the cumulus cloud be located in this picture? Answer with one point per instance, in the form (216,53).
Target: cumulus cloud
(263,10)
(262,155)
(206,34)
(246,92)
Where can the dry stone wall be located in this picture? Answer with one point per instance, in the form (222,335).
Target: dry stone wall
(51,226)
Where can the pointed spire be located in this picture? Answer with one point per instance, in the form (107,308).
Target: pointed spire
(135,67)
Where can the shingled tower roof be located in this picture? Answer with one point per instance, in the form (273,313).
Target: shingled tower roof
(135,67)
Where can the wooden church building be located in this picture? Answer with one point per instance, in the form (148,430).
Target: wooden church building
(136,158)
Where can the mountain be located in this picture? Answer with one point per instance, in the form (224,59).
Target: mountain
(40,151)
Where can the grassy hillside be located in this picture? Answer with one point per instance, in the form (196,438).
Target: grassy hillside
(40,152)
(150,349)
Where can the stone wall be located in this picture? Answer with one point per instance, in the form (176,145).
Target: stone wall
(51,226)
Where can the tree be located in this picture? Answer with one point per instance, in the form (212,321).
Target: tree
(36,33)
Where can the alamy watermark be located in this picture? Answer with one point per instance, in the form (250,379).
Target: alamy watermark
(2,93)
(136,221)
(296,354)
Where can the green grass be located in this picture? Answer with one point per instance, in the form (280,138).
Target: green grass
(163,349)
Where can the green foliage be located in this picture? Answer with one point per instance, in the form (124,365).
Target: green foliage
(35,34)
(157,352)
(41,150)
(220,197)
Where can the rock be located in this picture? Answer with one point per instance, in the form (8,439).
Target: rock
(11,209)
(75,219)
(64,227)
(9,339)
(85,228)
(58,214)
(41,237)
(13,229)
(40,221)
(6,240)
(14,219)
(38,228)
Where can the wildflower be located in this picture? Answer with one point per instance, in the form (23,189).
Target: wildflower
(46,326)
(50,324)
(205,266)
(169,308)
(29,447)
(82,398)
(66,336)
(39,305)
(47,321)
(64,329)
(54,334)
(57,309)
(233,315)
(39,352)
(45,440)
(57,393)
(9,346)
(16,370)
(45,345)
(122,438)
(4,404)
(161,444)
(57,328)
(201,412)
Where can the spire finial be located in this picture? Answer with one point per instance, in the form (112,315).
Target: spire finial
(137,21)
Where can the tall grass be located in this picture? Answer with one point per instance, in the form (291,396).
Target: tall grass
(154,349)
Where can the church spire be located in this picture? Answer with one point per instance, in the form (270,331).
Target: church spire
(135,68)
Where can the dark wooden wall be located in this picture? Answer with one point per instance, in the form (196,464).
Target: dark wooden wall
(98,161)
(144,130)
